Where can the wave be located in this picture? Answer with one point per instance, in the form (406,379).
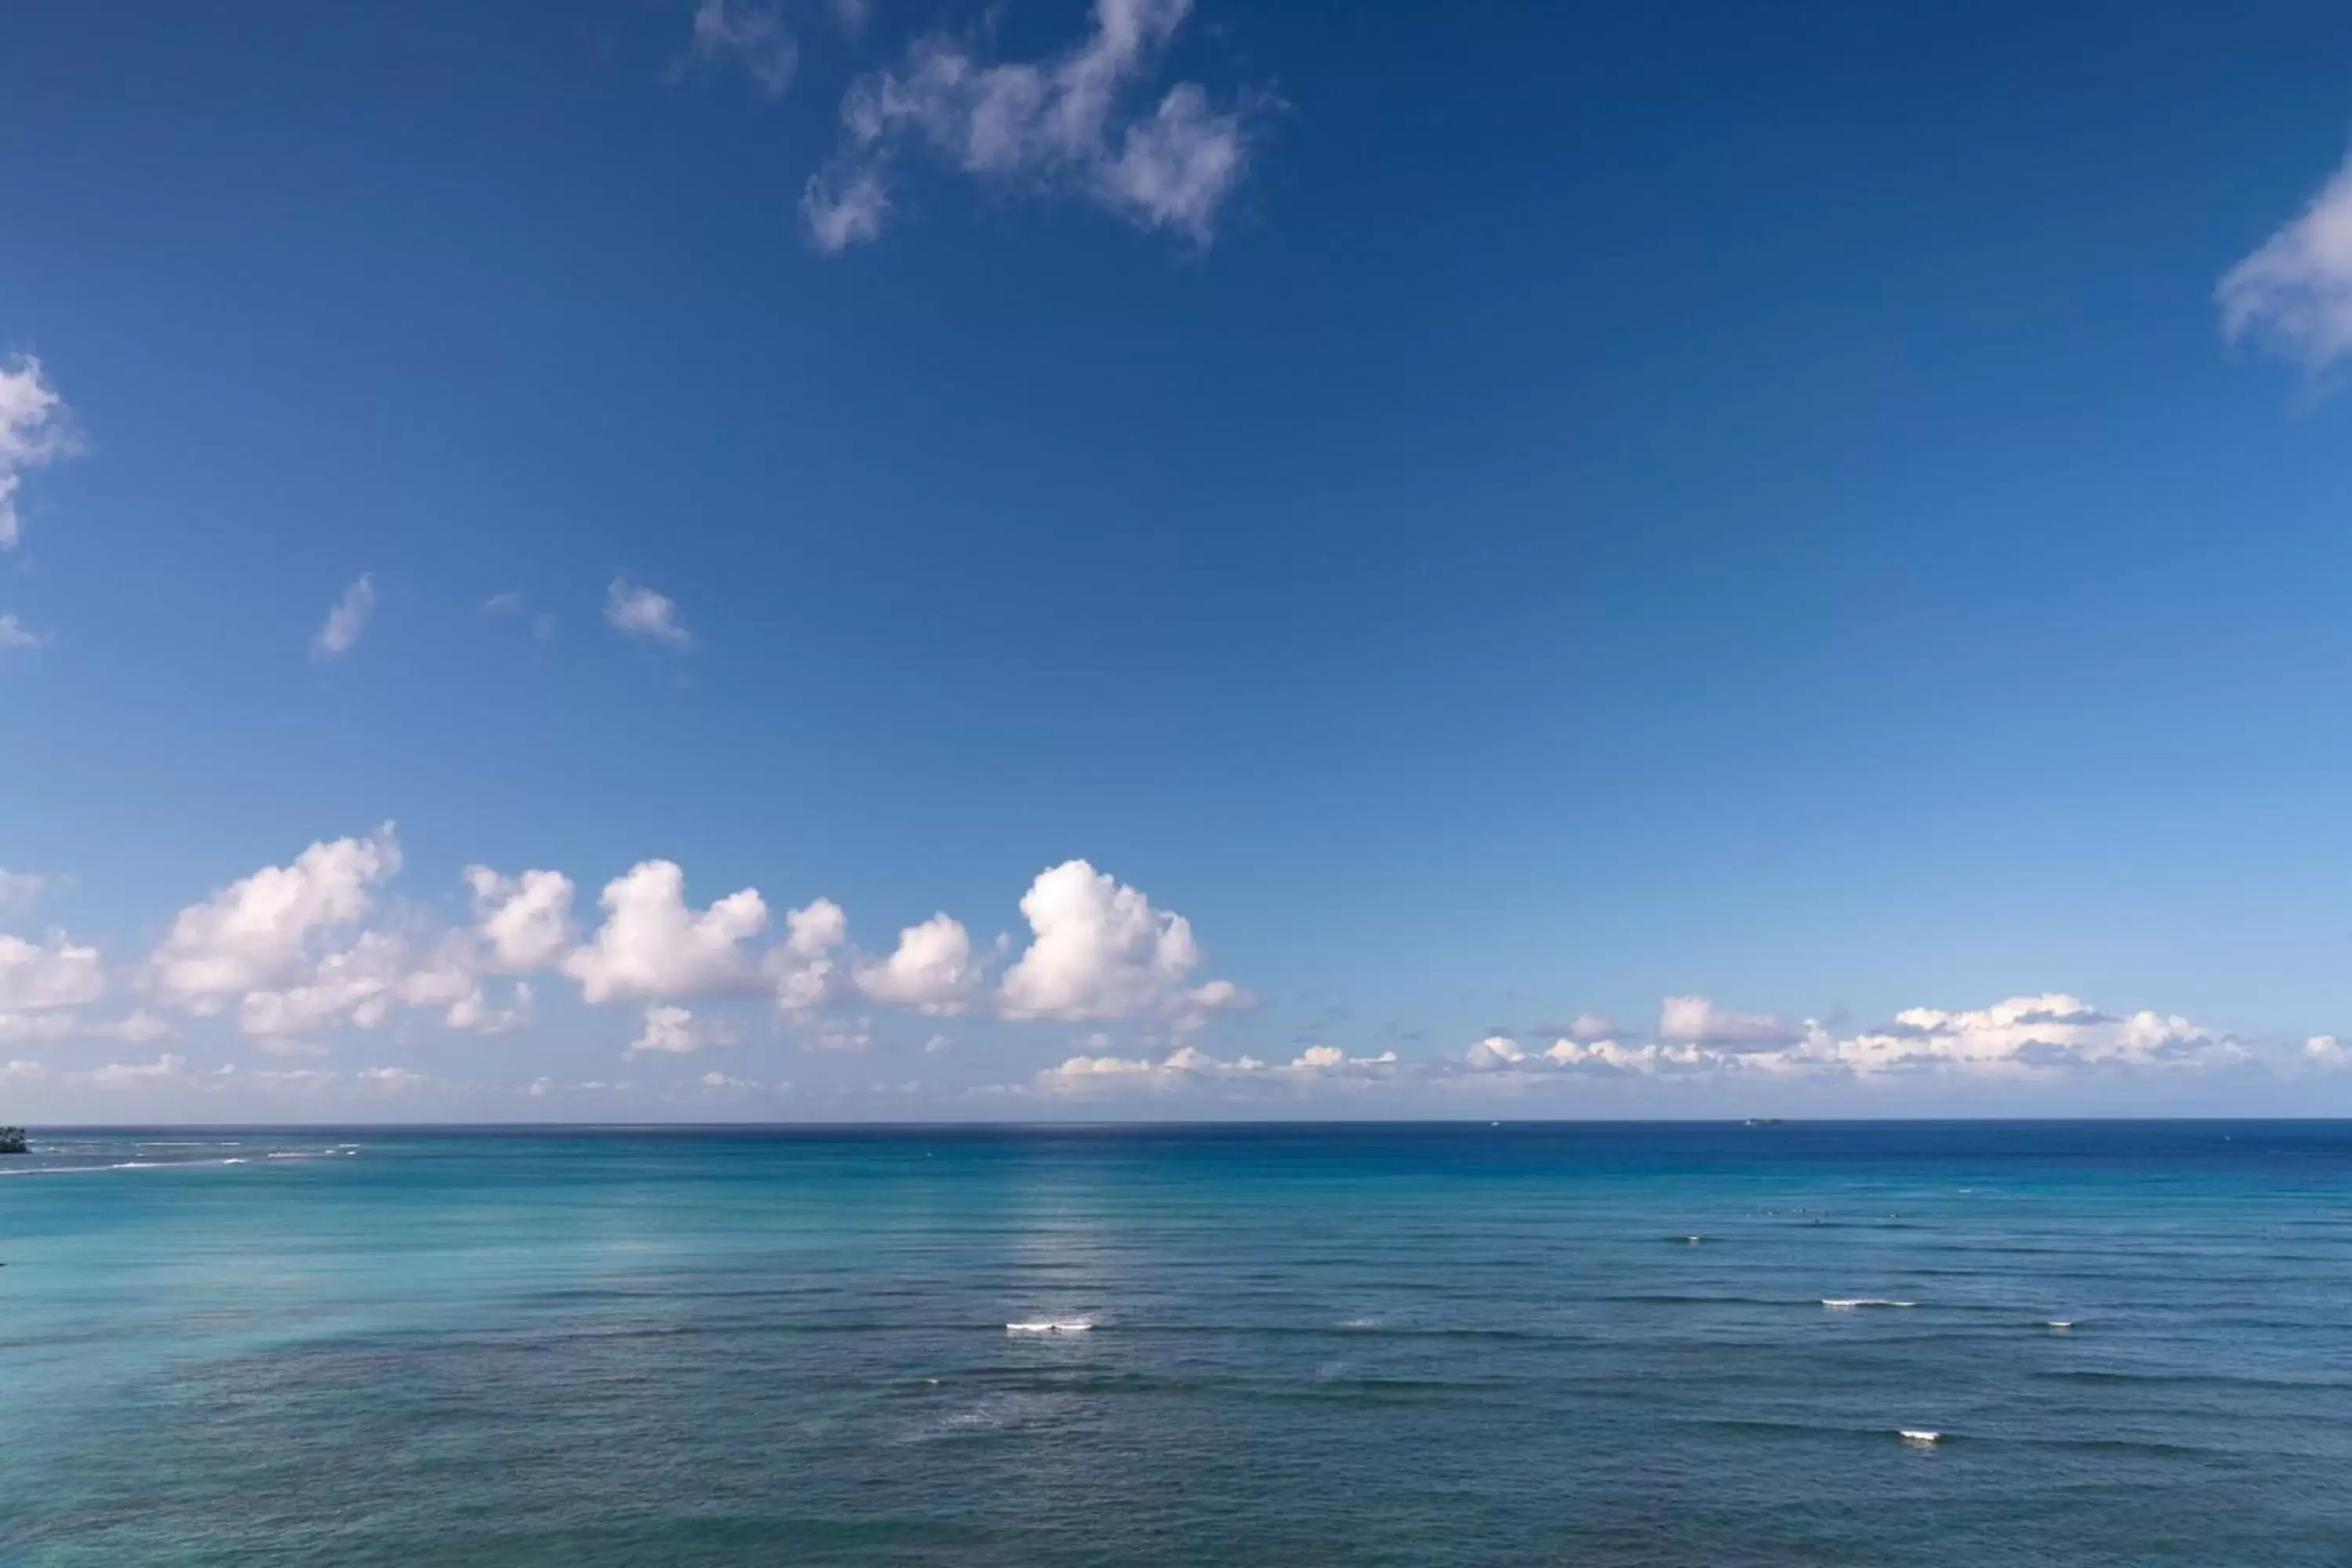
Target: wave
(1920,1436)
(151,1165)
(1050,1326)
(1850,1303)
(2059,1325)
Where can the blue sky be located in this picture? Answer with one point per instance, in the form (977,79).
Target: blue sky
(1490,519)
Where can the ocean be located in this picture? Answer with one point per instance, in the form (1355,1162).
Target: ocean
(1590,1344)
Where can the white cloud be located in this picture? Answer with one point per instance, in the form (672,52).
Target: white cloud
(16,637)
(1701,1022)
(1494,1052)
(358,983)
(473,1012)
(802,968)
(20,890)
(652,945)
(1099,950)
(141,1027)
(1188,1066)
(753,36)
(392,1080)
(51,974)
(257,932)
(22,1072)
(1055,126)
(837,1034)
(35,429)
(638,611)
(288,947)
(720,1081)
(677,1031)
(848,208)
(303,1078)
(25,1029)
(164,1070)
(937,1043)
(340,633)
(2327,1051)
(930,970)
(2034,1035)
(2294,295)
(815,929)
(2023,1037)
(526,920)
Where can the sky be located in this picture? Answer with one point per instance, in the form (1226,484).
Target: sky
(807,559)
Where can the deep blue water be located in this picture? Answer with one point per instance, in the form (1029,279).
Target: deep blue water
(1309,1345)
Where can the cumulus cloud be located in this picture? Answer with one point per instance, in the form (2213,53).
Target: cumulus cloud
(1059,126)
(258,932)
(340,633)
(637,611)
(392,1080)
(16,637)
(2035,1034)
(1100,952)
(56,973)
(1493,1053)
(1698,1021)
(802,968)
(652,945)
(678,1032)
(754,37)
(35,430)
(1190,1067)
(474,1014)
(836,1034)
(525,921)
(2293,296)
(358,983)
(930,970)
(141,1027)
(165,1071)
(2023,1037)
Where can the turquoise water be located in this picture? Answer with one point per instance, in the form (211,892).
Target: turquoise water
(1440,1345)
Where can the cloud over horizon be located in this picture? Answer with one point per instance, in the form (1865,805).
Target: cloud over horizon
(291,959)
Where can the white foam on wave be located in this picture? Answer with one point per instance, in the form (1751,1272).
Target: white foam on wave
(2059,1325)
(1853,1303)
(1050,1326)
(1920,1436)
